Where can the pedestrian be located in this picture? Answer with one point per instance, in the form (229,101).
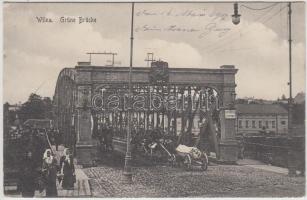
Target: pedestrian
(73,141)
(51,136)
(108,138)
(67,170)
(104,132)
(42,145)
(56,139)
(106,135)
(27,176)
(241,148)
(101,133)
(50,173)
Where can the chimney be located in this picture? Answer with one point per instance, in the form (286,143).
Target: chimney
(84,63)
(227,67)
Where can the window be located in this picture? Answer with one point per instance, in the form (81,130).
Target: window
(260,124)
(246,124)
(266,124)
(253,124)
(273,124)
(240,124)
(283,122)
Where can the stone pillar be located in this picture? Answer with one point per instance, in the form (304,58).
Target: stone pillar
(85,146)
(228,145)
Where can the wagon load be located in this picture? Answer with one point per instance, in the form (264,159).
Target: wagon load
(193,151)
(191,156)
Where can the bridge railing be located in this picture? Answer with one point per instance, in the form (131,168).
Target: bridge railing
(274,150)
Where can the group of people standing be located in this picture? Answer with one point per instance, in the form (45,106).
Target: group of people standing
(51,172)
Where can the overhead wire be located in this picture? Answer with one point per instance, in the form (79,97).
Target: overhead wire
(246,31)
(264,8)
(275,14)
(236,37)
(234,34)
(42,84)
(240,49)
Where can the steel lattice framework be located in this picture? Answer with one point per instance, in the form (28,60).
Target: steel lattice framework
(86,97)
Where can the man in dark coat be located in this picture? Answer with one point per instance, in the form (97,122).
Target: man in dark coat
(27,176)
(101,136)
(108,136)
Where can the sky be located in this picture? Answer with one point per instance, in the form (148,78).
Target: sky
(194,35)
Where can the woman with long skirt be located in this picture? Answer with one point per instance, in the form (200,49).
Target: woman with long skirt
(68,170)
(50,173)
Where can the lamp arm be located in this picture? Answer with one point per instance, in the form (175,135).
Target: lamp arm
(264,8)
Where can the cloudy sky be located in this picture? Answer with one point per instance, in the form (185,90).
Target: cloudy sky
(198,35)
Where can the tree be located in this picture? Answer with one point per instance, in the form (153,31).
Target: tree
(48,107)
(298,113)
(283,97)
(241,101)
(36,108)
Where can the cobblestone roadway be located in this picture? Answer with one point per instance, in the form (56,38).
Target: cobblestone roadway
(217,181)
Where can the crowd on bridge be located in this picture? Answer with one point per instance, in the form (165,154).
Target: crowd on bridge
(140,134)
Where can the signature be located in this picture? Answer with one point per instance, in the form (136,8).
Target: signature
(170,28)
(212,27)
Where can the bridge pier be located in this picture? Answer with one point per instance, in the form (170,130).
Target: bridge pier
(86,147)
(228,146)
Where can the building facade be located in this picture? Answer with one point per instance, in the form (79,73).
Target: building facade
(256,118)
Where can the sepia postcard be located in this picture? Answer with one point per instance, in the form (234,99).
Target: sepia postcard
(154,99)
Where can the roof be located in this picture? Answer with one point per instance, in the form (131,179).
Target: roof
(298,130)
(260,109)
(222,69)
(39,123)
(299,98)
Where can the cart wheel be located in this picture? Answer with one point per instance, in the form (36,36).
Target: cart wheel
(187,162)
(173,160)
(205,162)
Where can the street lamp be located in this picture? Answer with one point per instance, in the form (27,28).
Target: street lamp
(236,16)
(236,20)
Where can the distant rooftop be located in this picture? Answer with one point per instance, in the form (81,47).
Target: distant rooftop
(260,109)
(299,98)
(39,123)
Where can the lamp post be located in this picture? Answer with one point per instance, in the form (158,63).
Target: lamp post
(291,167)
(127,168)
(236,21)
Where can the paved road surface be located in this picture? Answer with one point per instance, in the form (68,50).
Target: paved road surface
(217,181)
(260,165)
